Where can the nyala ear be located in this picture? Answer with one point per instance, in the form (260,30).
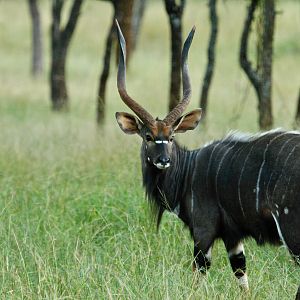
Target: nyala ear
(188,121)
(130,124)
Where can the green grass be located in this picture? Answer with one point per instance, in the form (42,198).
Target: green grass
(73,220)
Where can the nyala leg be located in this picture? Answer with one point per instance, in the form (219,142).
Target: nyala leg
(237,260)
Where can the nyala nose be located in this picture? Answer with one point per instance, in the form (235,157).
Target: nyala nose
(164,160)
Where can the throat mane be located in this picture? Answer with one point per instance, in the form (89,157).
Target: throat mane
(154,182)
(165,189)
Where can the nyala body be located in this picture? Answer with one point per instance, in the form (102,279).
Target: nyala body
(237,187)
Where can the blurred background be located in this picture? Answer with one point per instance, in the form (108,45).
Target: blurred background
(74,222)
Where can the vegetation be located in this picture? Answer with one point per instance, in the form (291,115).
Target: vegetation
(73,220)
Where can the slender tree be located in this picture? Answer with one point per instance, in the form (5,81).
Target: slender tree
(210,55)
(60,41)
(175,11)
(261,78)
(137,17)
(101,97)
(123,12)
(37,48)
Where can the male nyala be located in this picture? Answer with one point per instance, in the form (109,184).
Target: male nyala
(233,188)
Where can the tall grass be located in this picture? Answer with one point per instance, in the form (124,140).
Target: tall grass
(73,220)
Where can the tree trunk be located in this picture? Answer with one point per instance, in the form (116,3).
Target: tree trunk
(124,15)
(104,75)
(123,10)
(137,16)
(59,93)
(211,57)
(37,49)
(265,65)
(261,78)
(175,12)
(60,41)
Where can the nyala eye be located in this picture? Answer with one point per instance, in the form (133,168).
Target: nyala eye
(148,138)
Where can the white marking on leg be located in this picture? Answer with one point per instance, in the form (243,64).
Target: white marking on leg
(279,230)
(208,254)
(239,248)
(261,168)
(243,282)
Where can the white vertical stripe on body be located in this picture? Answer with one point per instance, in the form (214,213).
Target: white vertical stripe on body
(279,230)
(261,168)
(276,161)
(220,165)
(209,162)
(285,162)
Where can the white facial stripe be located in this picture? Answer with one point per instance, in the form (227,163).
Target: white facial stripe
(161,142)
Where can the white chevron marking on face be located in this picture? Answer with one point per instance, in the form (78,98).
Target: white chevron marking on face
(161,142)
